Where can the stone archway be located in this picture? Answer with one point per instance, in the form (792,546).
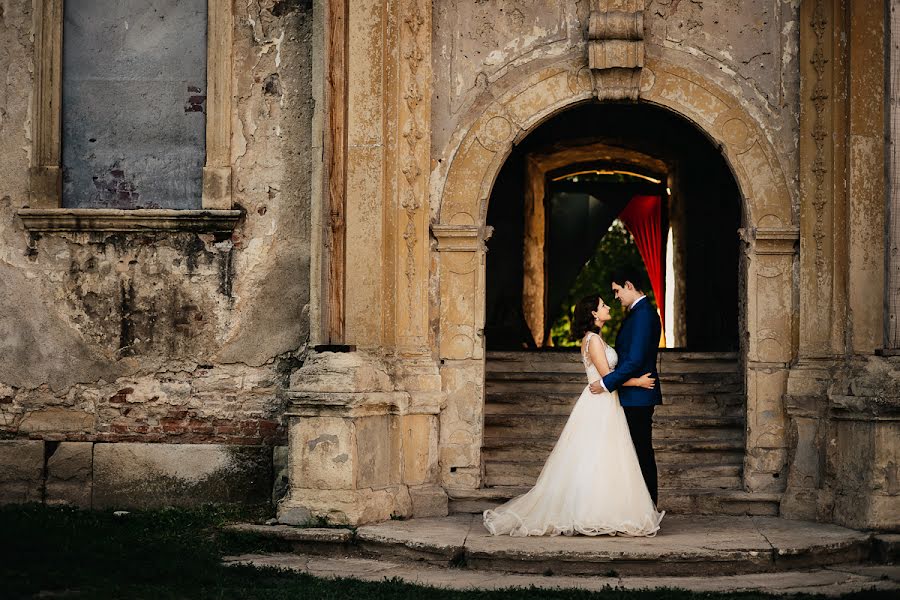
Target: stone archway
(461,188)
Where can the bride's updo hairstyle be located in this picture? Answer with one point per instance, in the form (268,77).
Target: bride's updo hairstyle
(584,320)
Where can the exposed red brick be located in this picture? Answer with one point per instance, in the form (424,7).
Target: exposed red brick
(268,426)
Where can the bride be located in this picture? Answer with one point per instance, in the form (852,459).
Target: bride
(591,483)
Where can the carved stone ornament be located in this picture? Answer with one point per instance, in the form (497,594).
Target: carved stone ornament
(616,48)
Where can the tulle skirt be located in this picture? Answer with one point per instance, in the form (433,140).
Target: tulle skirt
(591,483)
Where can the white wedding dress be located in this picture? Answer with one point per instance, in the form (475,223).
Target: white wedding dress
(591,483)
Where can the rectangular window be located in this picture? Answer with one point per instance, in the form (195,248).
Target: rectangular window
(133,103)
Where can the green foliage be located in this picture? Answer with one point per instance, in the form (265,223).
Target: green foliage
(616,249)
(162,554)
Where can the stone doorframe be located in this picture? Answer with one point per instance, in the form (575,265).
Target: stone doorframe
(537,166)
(461,187)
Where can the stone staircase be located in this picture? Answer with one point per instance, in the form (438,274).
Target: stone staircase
(698,431)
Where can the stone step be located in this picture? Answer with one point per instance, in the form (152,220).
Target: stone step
(668,451)
(686,501)
(664,427)
(526,378)
(725,405)
(675,361)
(699,545)
(574,386)
(538,450)
(670,445)
(674,475)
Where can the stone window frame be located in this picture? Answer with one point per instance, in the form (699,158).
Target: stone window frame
(44,211)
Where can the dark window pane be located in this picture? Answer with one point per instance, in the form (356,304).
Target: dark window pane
(134,97)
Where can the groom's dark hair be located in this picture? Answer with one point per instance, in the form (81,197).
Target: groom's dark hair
(584,320)
(637,277)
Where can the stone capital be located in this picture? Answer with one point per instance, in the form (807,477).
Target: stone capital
(461,238)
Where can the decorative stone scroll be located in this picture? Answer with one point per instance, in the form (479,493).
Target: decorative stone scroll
(616,48)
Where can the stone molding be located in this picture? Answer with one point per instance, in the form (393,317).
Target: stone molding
(822,153)
(461,238)
(45,177)
(345,404)
(109,219)
(217,172)
(616,48)
(775,241)
(864,408)
(414,126)
(45,181)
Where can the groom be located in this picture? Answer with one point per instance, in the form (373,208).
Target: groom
(636,344)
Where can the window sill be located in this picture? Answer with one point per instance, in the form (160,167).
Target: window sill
(108,219)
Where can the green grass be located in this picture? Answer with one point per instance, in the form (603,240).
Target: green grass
(64,553)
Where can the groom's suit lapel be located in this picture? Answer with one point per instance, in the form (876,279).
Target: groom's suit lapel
(622,340)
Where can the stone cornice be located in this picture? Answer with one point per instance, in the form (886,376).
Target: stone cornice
(864,408)
(460,238)
(774,240)
(108,219)
(314,403)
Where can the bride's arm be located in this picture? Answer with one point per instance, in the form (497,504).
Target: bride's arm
(597,354)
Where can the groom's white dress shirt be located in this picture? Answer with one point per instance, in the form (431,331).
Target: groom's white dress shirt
(633,304)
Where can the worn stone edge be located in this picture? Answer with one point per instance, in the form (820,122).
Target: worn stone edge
(108,219)
(296,534)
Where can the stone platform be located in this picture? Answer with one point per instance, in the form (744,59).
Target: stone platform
(699,546)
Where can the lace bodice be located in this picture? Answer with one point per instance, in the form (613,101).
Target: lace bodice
(611,356)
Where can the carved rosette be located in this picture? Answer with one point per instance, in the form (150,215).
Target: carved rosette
(413,117)
(616,48)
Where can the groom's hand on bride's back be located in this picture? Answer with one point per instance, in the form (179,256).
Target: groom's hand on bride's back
(645,381)
(597,388)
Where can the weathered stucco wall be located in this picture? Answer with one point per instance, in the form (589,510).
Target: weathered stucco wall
(163,337)
(749,48)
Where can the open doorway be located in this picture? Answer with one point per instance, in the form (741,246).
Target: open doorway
(605,184)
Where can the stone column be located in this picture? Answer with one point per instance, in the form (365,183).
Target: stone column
(409,160)
(363,420)
(862,453)
(461,250)
(823,258)
(829,399)
(866,185)
(770,309)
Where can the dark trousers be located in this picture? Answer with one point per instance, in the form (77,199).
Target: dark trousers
(640,423)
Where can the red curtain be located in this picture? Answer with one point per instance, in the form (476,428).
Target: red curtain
(642,217)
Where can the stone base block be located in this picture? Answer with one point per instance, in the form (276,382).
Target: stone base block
(154,475)
(345,507)
(428,501)
(868,511)
(21,471)
(69,474)
(801,504)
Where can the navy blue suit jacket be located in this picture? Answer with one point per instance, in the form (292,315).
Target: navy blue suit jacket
(636,345)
